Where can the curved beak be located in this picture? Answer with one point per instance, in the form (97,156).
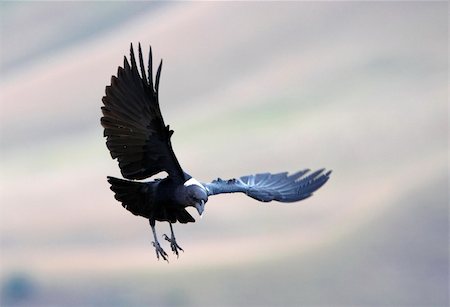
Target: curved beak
(200,207)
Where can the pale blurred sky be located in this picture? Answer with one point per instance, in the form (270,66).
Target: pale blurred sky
(360,88)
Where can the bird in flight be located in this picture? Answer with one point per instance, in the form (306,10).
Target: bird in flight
(138,138)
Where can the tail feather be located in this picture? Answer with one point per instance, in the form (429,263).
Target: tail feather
(133,195)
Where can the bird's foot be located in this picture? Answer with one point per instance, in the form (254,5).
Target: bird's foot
(159,251)
(173,244)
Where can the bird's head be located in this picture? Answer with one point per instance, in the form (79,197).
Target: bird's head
(196,195)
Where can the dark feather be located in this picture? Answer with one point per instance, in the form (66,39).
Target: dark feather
(141,63)
(136,134)
(132,195)
(150,68)
(158,75)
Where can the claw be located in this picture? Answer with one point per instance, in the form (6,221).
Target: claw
(173,244)
(160,252)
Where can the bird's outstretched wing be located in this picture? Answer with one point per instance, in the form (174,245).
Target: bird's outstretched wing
(136,134)
(267,187)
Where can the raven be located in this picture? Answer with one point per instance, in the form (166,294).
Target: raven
(140,140)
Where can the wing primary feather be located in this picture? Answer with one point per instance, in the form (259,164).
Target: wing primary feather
(298,174)
(291,179)
(126,65)
(141,63)
(158,74)
(150,68)
(310,177)
(132,59)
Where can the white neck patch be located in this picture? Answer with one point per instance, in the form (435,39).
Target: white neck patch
(193,181)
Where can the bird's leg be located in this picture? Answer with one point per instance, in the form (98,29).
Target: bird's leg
(158,249)
(173,243)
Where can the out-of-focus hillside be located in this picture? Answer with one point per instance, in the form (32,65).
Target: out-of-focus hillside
(380,260)
(360,88)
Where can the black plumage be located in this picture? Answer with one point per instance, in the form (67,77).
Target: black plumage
(140,140)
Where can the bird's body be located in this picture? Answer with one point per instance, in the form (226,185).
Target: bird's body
(160,200)
(139,139)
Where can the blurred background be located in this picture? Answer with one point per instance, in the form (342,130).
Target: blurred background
(359,88)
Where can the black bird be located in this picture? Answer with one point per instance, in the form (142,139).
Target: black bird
(140,140)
